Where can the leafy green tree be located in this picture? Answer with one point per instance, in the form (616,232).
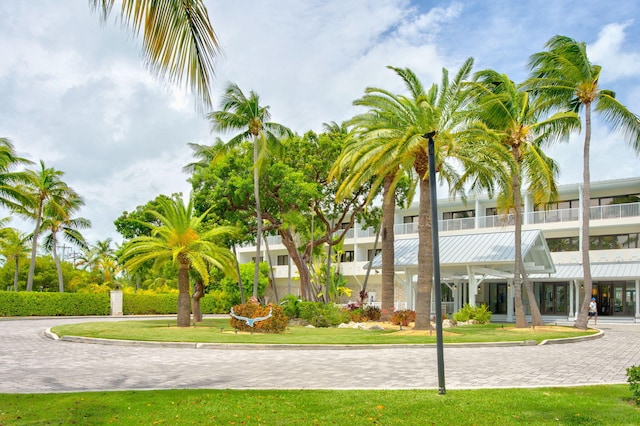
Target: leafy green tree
(178,40)
(397,143)
(245,114)
(136,223)
(14,247)
(45,277)
(229,285)
(564,76)
(11,193)
(182,241)
(44,186)
(57,218)
(299,201)
(520,129)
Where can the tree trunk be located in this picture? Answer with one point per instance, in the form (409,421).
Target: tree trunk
(536,316)
(388,253)
(521,320)
(425,254)
(34,248)
(57,261)
(198,293)
(256,194)
(273,278)
(582,319)
(16,274)
(366,277)
(184,302)
(235,254)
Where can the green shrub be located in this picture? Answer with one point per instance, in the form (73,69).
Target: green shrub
(322,315)
(633,377)
(403,317)
(276,323)
(481,314)
(150,304)
(290,305)
(53,304)
(216,302)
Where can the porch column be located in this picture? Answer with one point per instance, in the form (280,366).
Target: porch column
(510,297)
(473,287)
(637,300)
(572,285)
(409,291)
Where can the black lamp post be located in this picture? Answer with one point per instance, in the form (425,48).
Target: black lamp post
(436,259)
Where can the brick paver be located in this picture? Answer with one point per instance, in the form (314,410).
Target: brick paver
(30,362)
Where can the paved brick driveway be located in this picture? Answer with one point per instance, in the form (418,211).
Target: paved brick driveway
(30,362)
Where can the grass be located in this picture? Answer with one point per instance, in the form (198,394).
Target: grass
(589,405)
(218,330)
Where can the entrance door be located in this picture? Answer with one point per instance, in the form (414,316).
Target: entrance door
(615,298)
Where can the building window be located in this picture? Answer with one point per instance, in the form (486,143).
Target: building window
(563,244)
(410,219)
(462,214)
(347,256)
(370,254)
(253,259)
(283,259)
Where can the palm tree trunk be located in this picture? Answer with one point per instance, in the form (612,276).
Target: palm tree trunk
(16,274)
(184,301)
(388,253)
(425,256)
(582,319)
(521,320)
(363,292)
(235,254)
(57,261)
(198,293)
(536,316)
(273,278)
(256,194)
(34,248)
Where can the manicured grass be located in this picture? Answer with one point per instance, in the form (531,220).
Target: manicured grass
(218,330)
(589,405)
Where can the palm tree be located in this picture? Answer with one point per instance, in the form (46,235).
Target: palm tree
(181,240)
(14,247)
(397,143)
(57,218)
(45,186)
(520,128)
(178,40)
(565,77)
(245,114)
(11,194)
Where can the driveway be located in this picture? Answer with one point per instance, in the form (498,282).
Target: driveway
(30,362)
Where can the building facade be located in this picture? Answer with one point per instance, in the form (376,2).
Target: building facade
(614,254)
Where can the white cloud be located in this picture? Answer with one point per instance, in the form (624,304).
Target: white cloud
(618,59)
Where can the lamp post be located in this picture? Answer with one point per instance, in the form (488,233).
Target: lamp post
(436,259)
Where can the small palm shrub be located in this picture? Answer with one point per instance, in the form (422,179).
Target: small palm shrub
(322,315)
(480,314)
(290,305)
(403,317)
(371,313)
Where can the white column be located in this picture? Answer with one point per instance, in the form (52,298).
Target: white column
(572,285)
(637,300)
(116,302)
(473,287)
(510,301)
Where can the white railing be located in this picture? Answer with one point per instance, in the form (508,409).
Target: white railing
(497,221)
(457,224)
(554,216)
(615,211)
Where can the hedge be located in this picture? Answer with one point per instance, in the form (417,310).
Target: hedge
(52,304)
(29,303)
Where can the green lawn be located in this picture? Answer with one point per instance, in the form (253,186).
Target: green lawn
(589,405)
(218,330)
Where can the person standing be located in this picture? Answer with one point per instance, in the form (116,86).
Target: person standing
(593,311)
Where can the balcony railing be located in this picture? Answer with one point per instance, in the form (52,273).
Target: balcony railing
(615,211)
(554,216)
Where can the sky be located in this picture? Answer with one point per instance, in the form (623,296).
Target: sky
(74,92)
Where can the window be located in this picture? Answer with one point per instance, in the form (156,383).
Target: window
(347,256)
(370,254)
(411,219)
(253,259)
(283,259)
(458,215)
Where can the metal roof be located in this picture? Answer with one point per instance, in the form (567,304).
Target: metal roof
(599,271)
(491,250)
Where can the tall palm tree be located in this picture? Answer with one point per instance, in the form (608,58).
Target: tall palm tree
(182,241)
(519,127)
(245,114)
(564,75)
(178,40)
(11,194)
(45,186)
(58,218)
(397,143)
(14,246)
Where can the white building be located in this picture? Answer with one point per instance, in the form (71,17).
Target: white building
(477,261)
